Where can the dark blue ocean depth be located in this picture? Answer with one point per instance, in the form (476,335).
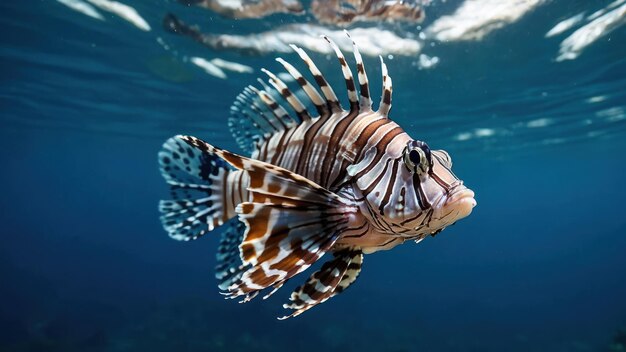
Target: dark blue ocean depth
(540,265)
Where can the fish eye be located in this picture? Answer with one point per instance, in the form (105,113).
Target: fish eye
(417,157)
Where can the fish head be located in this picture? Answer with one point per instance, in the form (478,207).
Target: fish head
(418,194)
(442,198)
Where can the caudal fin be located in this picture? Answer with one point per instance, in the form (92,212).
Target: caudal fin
(199,185)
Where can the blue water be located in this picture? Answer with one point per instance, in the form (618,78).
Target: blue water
(540,264)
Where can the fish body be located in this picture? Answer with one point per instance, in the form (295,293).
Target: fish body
(346,182)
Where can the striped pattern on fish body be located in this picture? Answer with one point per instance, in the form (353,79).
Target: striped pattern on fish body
(349,182)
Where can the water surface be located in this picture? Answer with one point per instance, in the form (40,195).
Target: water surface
(86,105)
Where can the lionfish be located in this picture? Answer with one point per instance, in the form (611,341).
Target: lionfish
(349,182)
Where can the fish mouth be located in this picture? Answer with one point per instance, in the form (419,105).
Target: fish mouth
(460,193)
(460,202)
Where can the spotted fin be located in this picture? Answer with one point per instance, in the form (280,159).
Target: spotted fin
(198,182)
(229,266)
(290,222)
(332,279)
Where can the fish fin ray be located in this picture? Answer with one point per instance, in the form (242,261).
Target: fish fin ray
(385,100)
(229,266)
(293,101)
(255,117)
(331,279)
(329,95)
(314,96)
(198,182)
(347,75)
(353,272)
(290,223)
(366,100)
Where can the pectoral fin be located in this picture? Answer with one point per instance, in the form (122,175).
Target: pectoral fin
(290,223)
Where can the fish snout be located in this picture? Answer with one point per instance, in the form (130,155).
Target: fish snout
(459,202)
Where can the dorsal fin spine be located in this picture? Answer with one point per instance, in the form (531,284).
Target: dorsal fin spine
(385,100)
(366,101)
(263,84)
(310,91)
(242,103)
(262,126)
(277,110)
(291,98)
(278,123)
(347,75)
(256,114)
(237,110)
(331,98)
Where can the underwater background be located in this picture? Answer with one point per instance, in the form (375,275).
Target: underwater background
(86,103)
